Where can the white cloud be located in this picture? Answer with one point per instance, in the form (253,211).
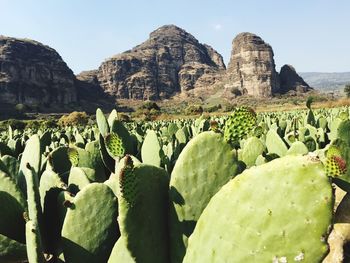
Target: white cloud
(217,27)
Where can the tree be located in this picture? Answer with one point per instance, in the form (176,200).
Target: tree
(347,90)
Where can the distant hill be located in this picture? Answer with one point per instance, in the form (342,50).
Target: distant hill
(326,82)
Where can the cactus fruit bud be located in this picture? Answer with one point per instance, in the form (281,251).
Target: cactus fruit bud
(335,166)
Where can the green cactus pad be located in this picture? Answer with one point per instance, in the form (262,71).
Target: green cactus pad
(11,250)
(31,155)
(120,253)
(12,166)
(65,200)
(277,212)
(241,122)
(203,167)
(73,156)
(128,182)
(102,122)
(78,179)
(13,205)
(35,251)
(150,151)
(333,151)
(297,148)
(90,228)
(344,131)
(95,161)
(114,145)
(275,144)
(108,161)
(49,180)
(143,212)
(60,163)
(253,147)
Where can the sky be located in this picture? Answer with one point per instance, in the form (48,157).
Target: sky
(311,35)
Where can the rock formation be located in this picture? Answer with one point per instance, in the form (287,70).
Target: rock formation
(170,61)
(34,74)
(251,69)
(290,80)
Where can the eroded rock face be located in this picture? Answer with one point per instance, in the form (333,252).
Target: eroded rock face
(251,69)
(170,61)
(34,74)
(290,80)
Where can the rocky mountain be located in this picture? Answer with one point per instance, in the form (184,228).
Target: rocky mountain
(170,61)
(251,69)
(34,74)
(290,80)
(326,81)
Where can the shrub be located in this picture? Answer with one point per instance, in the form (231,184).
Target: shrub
(193,109)
(15,124)
(213,108)
(74,118)
(149,105)
(49,124)
(347,90)
(124,117)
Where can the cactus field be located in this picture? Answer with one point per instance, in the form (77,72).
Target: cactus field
(247,187)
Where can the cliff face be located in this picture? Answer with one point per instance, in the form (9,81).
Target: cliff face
(32,73)
(290,80)
(170,61)
(252,67)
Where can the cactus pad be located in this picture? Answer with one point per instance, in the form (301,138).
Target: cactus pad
(11,250)
(205,164)
(143,220)
(73,156)
(13,206)
(90,228)
(241,122)
(278,212)
(34,246)
(114,145)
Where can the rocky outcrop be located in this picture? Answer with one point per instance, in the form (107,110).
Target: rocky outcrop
(290,80)
(251,69)
(34,74)
(170,61)
(88,86)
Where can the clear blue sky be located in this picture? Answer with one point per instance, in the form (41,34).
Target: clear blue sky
(311,35)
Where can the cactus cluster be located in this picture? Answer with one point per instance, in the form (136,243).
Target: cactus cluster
(244,188)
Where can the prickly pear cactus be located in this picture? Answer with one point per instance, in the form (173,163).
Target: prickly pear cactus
(120,253)
(275,144)
(33,241)
(203,167)
(253,147)
(90,228)
(13,205)
(150,151)
(277,212)
(114,145)
(143,201)
(241,122)
(12,250)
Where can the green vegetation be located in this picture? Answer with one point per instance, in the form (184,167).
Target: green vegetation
(246,187)
(347,90)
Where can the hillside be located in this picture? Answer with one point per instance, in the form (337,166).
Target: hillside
(326,82)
